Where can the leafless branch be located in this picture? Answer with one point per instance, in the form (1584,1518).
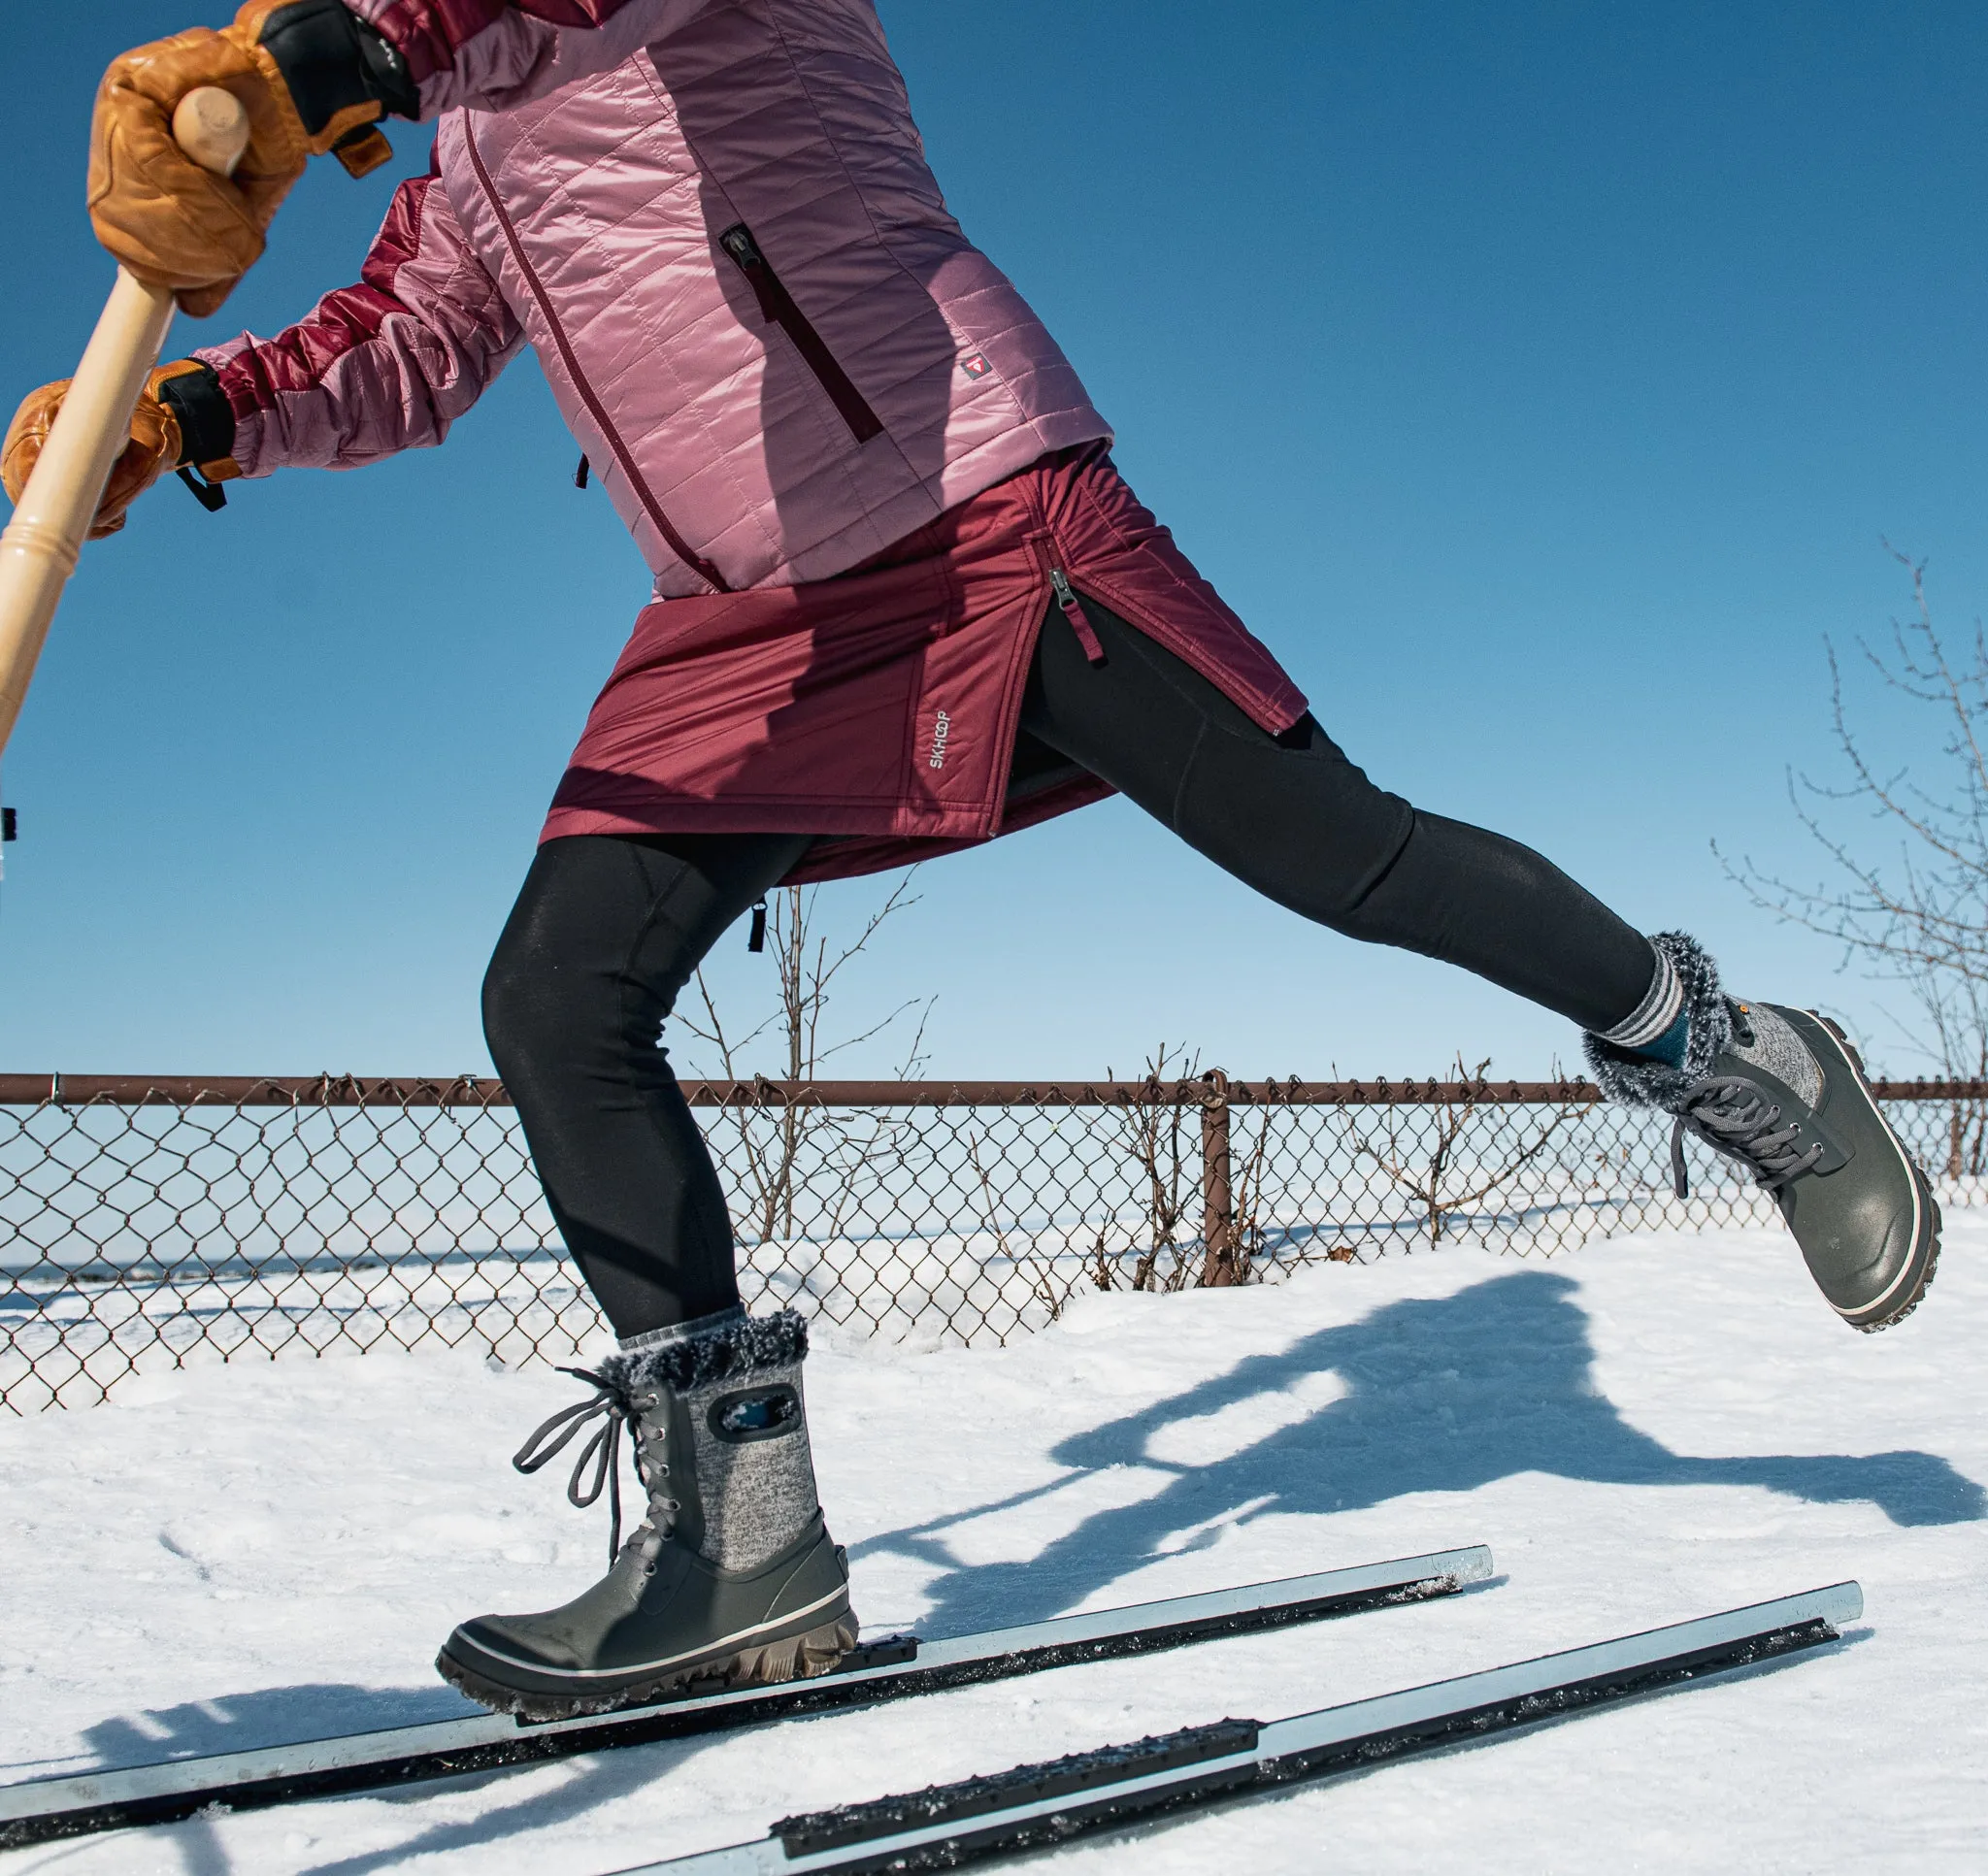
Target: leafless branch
(780,1145)
(1909,902)
(1425,1161)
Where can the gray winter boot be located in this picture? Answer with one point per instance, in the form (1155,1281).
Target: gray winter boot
(1782,1091)
(732,1579)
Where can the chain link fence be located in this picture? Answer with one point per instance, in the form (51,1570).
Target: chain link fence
(147,1224)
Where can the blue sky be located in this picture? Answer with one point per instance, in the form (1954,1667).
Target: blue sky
(1537,381)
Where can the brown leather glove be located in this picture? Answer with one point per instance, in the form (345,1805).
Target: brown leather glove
(155,447)
(164,217)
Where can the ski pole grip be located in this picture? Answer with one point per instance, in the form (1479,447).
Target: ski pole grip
(212,126)
(38,550)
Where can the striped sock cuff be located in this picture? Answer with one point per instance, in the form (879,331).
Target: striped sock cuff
(681,1331)
(1661,1007)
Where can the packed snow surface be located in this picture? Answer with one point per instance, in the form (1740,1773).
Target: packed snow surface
(1653,1429)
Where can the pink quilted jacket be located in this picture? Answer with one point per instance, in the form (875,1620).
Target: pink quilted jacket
(713,222)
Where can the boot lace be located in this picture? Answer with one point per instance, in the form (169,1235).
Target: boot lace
(1737,1118)
(615,1408)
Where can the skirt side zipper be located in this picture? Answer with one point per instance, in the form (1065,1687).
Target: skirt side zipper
(1072,611)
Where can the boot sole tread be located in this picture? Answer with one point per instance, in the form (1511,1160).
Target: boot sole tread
(793,1658)
(1915,1293)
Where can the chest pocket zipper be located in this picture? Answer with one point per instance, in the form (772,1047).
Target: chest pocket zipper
(777,306)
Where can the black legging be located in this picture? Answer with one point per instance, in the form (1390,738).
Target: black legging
(608,930)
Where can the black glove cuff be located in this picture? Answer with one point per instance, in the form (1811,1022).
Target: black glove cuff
(206,419)
(332,60)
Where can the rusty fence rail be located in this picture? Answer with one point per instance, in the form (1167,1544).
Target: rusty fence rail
(150,1222)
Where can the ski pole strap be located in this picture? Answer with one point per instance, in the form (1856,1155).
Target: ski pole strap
(211,496)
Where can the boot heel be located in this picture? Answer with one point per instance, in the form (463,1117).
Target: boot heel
(821,1649)
(799,1657)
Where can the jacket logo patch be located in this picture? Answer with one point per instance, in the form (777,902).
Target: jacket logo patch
(975,366)
(942,729)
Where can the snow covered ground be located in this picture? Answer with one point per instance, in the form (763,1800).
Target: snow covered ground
(1649,1429)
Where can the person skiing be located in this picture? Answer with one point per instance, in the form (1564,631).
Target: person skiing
(904,603)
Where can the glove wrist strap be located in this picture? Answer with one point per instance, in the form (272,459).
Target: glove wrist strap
(335,67)
(206,418)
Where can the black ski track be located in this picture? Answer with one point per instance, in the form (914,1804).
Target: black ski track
(888,1668)
(1040,1806)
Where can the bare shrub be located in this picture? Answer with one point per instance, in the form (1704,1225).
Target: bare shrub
(1908,902)
(1912,906)
(1451,1159)
(1153,1131)
(790,1145)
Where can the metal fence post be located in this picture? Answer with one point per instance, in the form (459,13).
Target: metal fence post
(1217,1205)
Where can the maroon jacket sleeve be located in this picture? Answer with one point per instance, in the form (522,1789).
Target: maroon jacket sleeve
(382,366)
(490,55)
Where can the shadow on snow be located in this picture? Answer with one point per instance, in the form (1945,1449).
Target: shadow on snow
(1444,1395)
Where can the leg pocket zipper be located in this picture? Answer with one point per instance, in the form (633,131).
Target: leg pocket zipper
(780,309)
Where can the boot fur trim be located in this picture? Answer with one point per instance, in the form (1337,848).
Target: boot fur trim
(1639,1081)
(737,1346)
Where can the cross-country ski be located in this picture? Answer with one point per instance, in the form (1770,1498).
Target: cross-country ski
(944,1826)
(888,1668)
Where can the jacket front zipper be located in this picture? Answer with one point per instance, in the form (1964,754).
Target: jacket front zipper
(779,308)
(677,546)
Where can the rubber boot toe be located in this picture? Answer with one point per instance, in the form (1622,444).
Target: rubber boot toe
(1864,1214)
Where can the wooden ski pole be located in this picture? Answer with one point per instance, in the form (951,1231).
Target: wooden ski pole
(38,550)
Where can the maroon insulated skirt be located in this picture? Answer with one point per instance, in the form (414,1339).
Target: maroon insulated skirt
(882,706)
